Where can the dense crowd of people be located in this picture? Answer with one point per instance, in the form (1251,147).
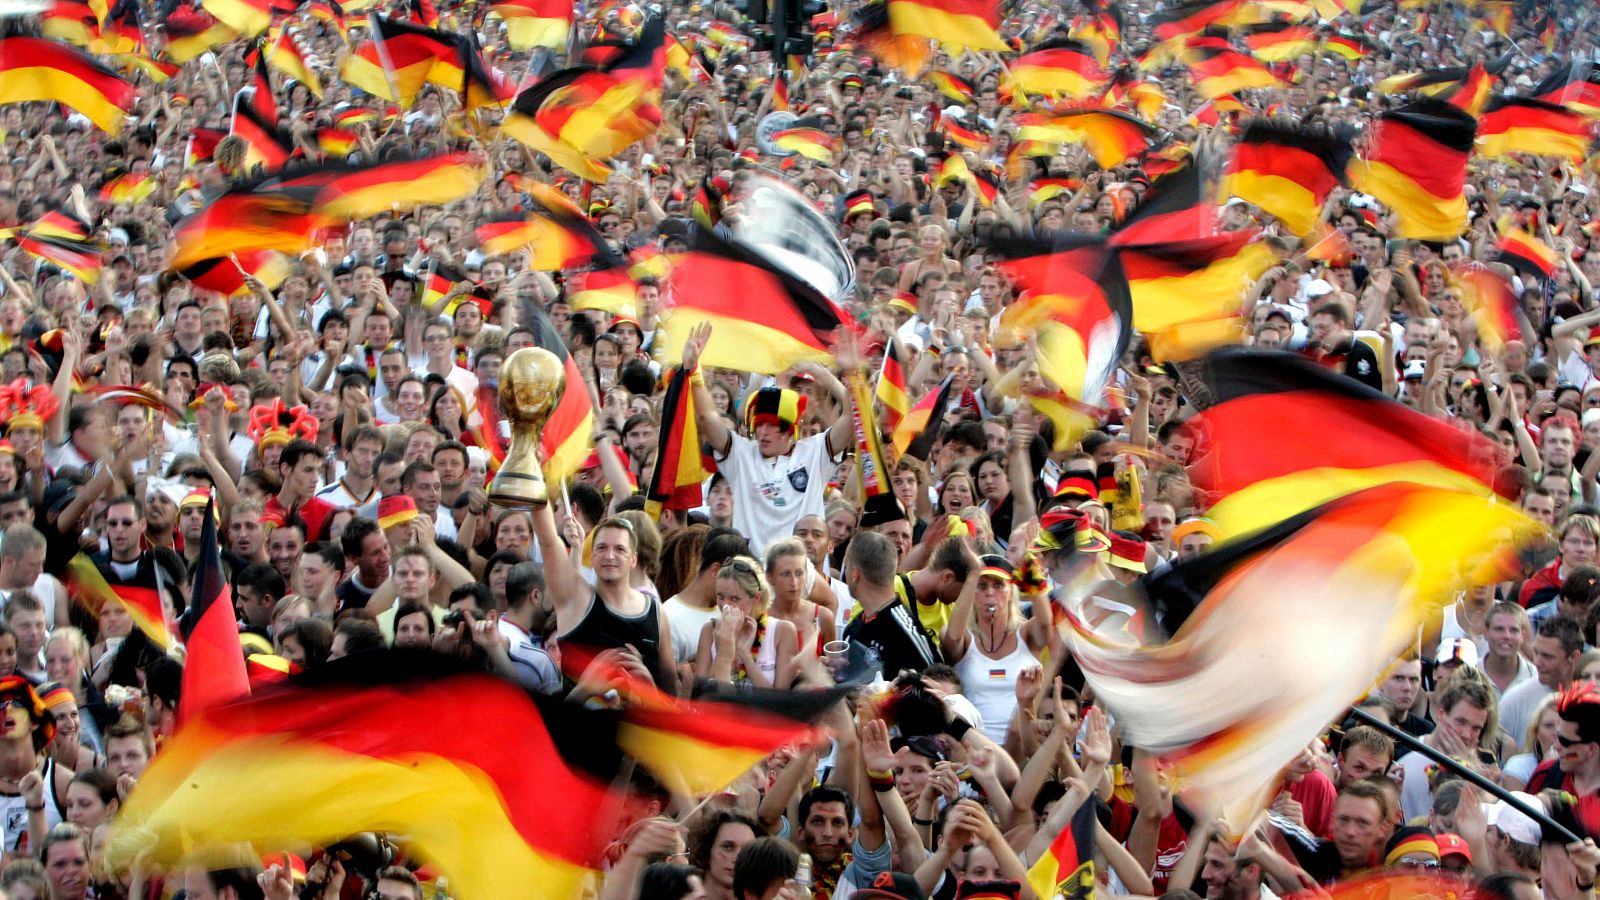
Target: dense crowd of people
(333,419)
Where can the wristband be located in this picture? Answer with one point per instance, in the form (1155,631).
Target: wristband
(697,378)
(926,822)
(880,782)
(32,808)
(958,727)
(1582,888)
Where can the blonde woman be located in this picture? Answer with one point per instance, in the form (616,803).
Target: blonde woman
(996,645)
(787,574)
(1541,743)
(744,642)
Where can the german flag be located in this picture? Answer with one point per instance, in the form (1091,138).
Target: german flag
(156,70)
(610,289)
(1100,30)
(1045,188)
(962,135)
(482,84)
(225,276)
(81,258)
(352,759)
(414,55)
(1111,136)
(262,98)
(780,92)
(1416,166)
(1258,481)
(333,14)
(1280,41)
(1192,340)
(1192,281)
(1575,85)
(133,187)
(353,116)
(567,436)
(952,86)
(1474,94)
(765,319)
(1058,68)
(1497,14)
(241,221)
(1177,24)
(69,20)
(1492,303)
(285,54)
(891,391)
(138,595)
(59,223)
(1527,254)
(442,279)
(400,185)
(535,23)
(561,236)
(1349,47)
(706,207)
(1219,70)
(1182,207)
(247,17)
(985,181)
(1514,125)
(873,31)
(1076,303)
(1287,170)
(337,142)
(201,146)
(213,669)
(120,31)
(37,70)
(191,33)
(1067,867)
(918,431)
(957,24)
(812,143)
(675,481)
(266,148)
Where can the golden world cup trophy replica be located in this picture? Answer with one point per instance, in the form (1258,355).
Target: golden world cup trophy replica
(532,381)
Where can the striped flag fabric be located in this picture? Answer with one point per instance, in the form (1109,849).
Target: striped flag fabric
(1062,67)
(1527,254)
(247,17)
(37,70)
(139,596)
(1415,164)
(679,471)
(1287,170)
(891,390)
(535,23)
(1492,303)
(1067,866)
(1513,125)
(213,669)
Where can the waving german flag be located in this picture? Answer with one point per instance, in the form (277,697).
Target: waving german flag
(267,148)
(243,220)
(137,595)
(1181,207)
(37,70)
(1416,165)
(1067,867)
(414,55)
(534,23)
(214,673)
(346,755)
(812,143)
(79,257)
(1062,67)
(568,435)
(958,24)
(1219,70)
(225,276)
(951,85)
(764,319)
(247,17)
(1111,136)
(1280,41)
(1519,125)
(891,390)
(69,20)
(1575,85)
(1527,254)
(1193,281)
(675,480)
(285,54)
(1492,303)
(1258,481)
(1287,170)
(1349,47)
(1178,24)
(558,234)
(405,184)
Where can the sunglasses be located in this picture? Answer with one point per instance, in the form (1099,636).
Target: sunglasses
(1416,864)
(1571,742)
(738,565)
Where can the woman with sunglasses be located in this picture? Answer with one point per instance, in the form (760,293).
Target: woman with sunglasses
(744,642)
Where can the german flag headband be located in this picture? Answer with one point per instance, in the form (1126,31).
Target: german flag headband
(776,406)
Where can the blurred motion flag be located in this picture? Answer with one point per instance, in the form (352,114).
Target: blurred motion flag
(225,275)
(891,390)
(962,135)
(919,430)
(612,290)
(490,791)
(872,464)
(285,54)
(1111,136)
(1219,70)
(1280,41)
(262,99)
(243,220)
(191,33)
(1062,67)
(1416,165)
(247,17)
(1492,303)
(398,58)
(81,258)
(1474,93)
(337,142)
(812,143)
(37,70)
(557,233)
(1259,479)
(1526,253)
(1181,207)
(764,319)
(1067,868)
(1292,625)
(266,147)
(1575,85)
(137,595)
(1176,24)
(1518,125)
(957,24)
(675,480)
(1344,45)
(952,86)
(213,666)
(1199,280)
(1288,170)
(535,23)
(69,20)
(358,192)
(1075,303)
(132,187)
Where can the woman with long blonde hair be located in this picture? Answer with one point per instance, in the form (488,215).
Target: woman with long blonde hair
(990,644)
(744,642)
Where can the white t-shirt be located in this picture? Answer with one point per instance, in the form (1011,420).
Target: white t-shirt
(686,623)
(771,495)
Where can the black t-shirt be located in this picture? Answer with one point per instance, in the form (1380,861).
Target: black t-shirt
(897,636)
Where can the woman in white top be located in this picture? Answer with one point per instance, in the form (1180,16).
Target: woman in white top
(996,645)
(744,643)
(1540,741)
(787,571)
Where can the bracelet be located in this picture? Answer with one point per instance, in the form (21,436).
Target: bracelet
(928,822)
(32,808)
(958,727)
(880,782)
(1582,888)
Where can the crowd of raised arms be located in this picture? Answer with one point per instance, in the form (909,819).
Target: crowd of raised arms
(1000,449)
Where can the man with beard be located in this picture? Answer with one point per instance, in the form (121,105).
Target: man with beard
(1230,876)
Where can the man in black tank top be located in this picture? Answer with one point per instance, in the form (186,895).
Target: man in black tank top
(612,614)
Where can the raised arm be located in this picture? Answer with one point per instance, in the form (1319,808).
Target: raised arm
(567,590)
(713,430)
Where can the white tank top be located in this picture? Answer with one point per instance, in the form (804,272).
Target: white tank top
(991,684)
(14,813)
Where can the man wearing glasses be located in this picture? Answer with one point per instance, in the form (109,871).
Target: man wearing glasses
(437,340)
(1576,768)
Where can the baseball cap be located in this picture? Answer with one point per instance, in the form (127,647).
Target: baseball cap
(892,886)
(1459,650)
(1416,369)
(1514,823)
(1318,288)
(1453,845)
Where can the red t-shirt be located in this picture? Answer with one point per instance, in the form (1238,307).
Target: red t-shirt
(1315,793)
(1587,809)
(314,512)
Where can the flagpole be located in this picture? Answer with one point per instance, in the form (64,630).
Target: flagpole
(1535,813)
